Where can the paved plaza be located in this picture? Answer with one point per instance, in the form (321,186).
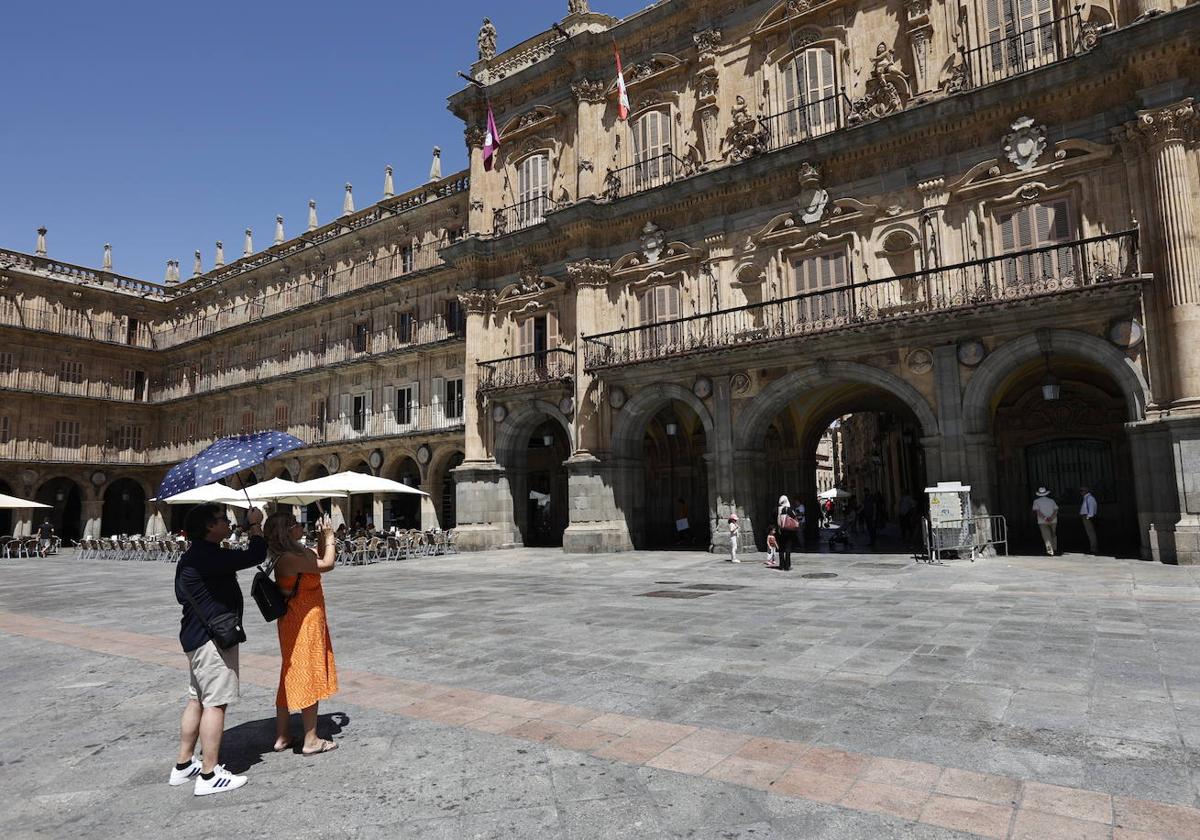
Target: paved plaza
(528,694)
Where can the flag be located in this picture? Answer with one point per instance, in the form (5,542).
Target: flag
(622,93)
(491,142)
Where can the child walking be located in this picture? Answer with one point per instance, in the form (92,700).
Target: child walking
(772,548)
(733,538)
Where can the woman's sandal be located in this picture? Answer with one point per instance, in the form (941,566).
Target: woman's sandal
(326,746)
(291,742)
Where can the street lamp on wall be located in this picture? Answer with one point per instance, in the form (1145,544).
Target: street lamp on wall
(672,428)
(1051,389)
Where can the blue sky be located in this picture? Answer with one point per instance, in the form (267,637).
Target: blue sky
(162,127)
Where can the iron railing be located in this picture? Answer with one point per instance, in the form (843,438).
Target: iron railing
(523,214)
(1022,50)
(642,175)
(49,382)
(1027,274)
(806,120)
(539,368)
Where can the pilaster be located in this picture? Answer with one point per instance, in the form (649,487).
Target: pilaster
(589,110)
(596,524)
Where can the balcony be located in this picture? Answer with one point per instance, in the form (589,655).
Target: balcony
(1026,275)
(41,382)
(642,175)
(529,369)
(96,326)
(523,214)
(806,120)
(1022,50)
(382,424)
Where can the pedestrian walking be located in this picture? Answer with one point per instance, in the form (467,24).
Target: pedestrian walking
(307,673)
(1087,512)
(733,538)
(1045,510)
(45,537)
(789,526)
(683,524)
(772,548)
(206,586)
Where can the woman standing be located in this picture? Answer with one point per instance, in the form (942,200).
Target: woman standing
(308,674)
(785,519)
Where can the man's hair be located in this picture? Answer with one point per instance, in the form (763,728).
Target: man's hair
(200,518)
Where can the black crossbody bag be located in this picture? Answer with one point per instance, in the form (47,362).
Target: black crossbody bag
(272,603)
(225,630)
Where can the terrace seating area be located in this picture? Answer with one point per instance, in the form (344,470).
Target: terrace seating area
(11,546)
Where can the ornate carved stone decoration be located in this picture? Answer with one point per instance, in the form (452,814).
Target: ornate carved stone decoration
(1126,333)
(740,382)
(746,136)
(617,397)
(1025,144)
(487,40)
(886,89)
(589,273)
(971,352)
(919,361)
(707,41)
(474,135)
(577,7)
(589,90)
(1174,122)
(477,300)
(702,387)
(813,199)
(499,412)
(956,77)
(653,241)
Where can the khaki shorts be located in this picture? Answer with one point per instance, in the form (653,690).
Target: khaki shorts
(214,674)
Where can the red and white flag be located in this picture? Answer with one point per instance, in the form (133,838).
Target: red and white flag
(491,142)
(622,93)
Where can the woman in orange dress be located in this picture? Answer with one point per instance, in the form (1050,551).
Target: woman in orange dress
(308,674)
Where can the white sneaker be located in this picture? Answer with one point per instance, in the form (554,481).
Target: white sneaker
(737,561)
(221,782)
(178,776)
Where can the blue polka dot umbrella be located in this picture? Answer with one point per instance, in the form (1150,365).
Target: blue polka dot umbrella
(224,458)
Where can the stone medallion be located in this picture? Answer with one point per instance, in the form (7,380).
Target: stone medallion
(702,387)
(617,397)
(567,405)
(424,454)
(971,353)
(919,361)
(98,478)
(1025,144)
(499,412)
(1126,333)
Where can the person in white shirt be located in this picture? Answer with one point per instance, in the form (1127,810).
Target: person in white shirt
(1046,511)
(1087,512)
(734,529)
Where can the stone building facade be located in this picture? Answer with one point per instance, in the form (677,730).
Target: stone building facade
(976,218)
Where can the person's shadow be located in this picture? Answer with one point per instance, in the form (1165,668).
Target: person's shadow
(244,745)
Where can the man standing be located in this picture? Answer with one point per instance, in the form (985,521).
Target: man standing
(1087,512)
(1046,511)
(206,586)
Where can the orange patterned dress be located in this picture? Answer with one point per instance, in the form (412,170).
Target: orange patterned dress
(308,673)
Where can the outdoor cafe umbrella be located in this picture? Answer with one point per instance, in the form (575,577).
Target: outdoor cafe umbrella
(209,493)
(224,458)
(13,503)
(354,484)
(284,492)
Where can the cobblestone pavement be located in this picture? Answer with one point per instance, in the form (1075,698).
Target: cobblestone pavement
(528,694)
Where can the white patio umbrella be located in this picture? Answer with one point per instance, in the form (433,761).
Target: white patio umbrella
(215,493)
(834,493)
(284,492)
(13,503)
(354,484)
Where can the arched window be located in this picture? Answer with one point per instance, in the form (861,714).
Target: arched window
(809,107)
(652,149)
(533,186)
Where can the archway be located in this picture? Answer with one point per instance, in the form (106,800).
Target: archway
(540,493)
(6,516)
(448,503)
(66,507)
(124,509)
(404,511)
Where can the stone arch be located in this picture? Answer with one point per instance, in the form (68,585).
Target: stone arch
(631,422)
(522,419)
(124,507)
(754,422)
(989,377)
(540,470)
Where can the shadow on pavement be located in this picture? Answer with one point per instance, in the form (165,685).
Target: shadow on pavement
(244,745)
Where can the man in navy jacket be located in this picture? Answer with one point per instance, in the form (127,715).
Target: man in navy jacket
(206,585)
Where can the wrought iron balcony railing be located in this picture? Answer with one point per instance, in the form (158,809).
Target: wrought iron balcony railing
(1028,274)
(47,382)
(642,175)
(806,120)
(523,214)
(540,368)
(1021,50)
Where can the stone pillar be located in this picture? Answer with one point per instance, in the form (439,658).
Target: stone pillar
(596,525)
(589,110)
(93,512)
(155,524)
(485,510)
(950,461)
(377,511)
(429,514)
(981,473)
(1166,463)
(934,196)
(478,306)
(476,217)
(1165,136)
(920,36)
(755,510)
(722,484)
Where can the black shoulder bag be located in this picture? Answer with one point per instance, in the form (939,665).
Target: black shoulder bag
(225,630)
(272,603)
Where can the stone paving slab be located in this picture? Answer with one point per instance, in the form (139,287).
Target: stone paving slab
(857,726)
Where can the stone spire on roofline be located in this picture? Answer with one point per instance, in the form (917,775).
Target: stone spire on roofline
(435,168)
(348,201)
(248,247)
(389,189)
(107,257)
(312,214)
(197,268)
(220,261)
(41,242)
(279,230)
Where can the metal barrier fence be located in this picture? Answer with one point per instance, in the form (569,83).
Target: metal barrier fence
(965,537)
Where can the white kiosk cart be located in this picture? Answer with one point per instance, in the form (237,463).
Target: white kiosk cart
(949,526)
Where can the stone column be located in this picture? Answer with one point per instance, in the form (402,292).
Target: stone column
(477,215)
(478,306)
(722,482)
(589,136)
(1165,136)
(93,512)
(951,456)
(981,473)
(749,470)
(155,524)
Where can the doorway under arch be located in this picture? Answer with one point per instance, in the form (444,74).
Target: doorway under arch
(448,504)
(674,480)
(124,508)
(6,515)
(404,510)
(66,507)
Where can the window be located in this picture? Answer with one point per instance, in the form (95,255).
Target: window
(135,383)
(656,305)
(131,331)
(281,416)
(70,371)
(129,437)
(1021,35)
(407,254)
(362,334)
(809,104)
(406,404)
(651,150)
(218,426)
(404,327)
(6,363)
(358,416)
(820,280)
(247,422)
(316,412)
(1032,227)
(454,398)
(533,185)
(455,321)
(66,433)
(4,429)
(535,336)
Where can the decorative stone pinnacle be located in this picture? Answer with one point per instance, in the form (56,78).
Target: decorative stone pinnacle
(279,230)
(435,168)
(389,189)
(348,201)
(41,242)
(220,260)
(107,257)
(312,214)
(248,248)
(197,269)
(167,275)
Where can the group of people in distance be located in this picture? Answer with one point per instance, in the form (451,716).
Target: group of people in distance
(206,587)
(1045,510)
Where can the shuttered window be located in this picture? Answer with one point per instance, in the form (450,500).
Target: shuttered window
(1021,34)
(1033,227)
(808,86)
(658,305)
(651,145)
(821,279)
(533,185)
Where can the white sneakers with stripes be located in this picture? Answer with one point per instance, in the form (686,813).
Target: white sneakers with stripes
(179,777)
(221,782)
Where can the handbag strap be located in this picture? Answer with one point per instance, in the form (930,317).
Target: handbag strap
(196,608)
(268,566)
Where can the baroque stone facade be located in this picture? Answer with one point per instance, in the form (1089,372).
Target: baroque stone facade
(814,209)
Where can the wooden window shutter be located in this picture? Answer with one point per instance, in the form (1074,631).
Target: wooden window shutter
(389,398)
(551,329)
(646,307)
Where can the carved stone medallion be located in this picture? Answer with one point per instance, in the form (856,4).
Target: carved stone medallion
(1025,144)
(702,387)
(1126,333)
(971,353)
(919,361)
(617,397)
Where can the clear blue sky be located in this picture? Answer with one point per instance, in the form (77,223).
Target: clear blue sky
(162,127)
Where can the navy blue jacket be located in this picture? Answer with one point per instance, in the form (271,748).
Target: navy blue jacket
(208,573)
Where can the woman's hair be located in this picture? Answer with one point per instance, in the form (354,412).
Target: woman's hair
(278,531)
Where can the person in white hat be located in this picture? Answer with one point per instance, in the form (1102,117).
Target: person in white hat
(1046,511)
(733,538)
